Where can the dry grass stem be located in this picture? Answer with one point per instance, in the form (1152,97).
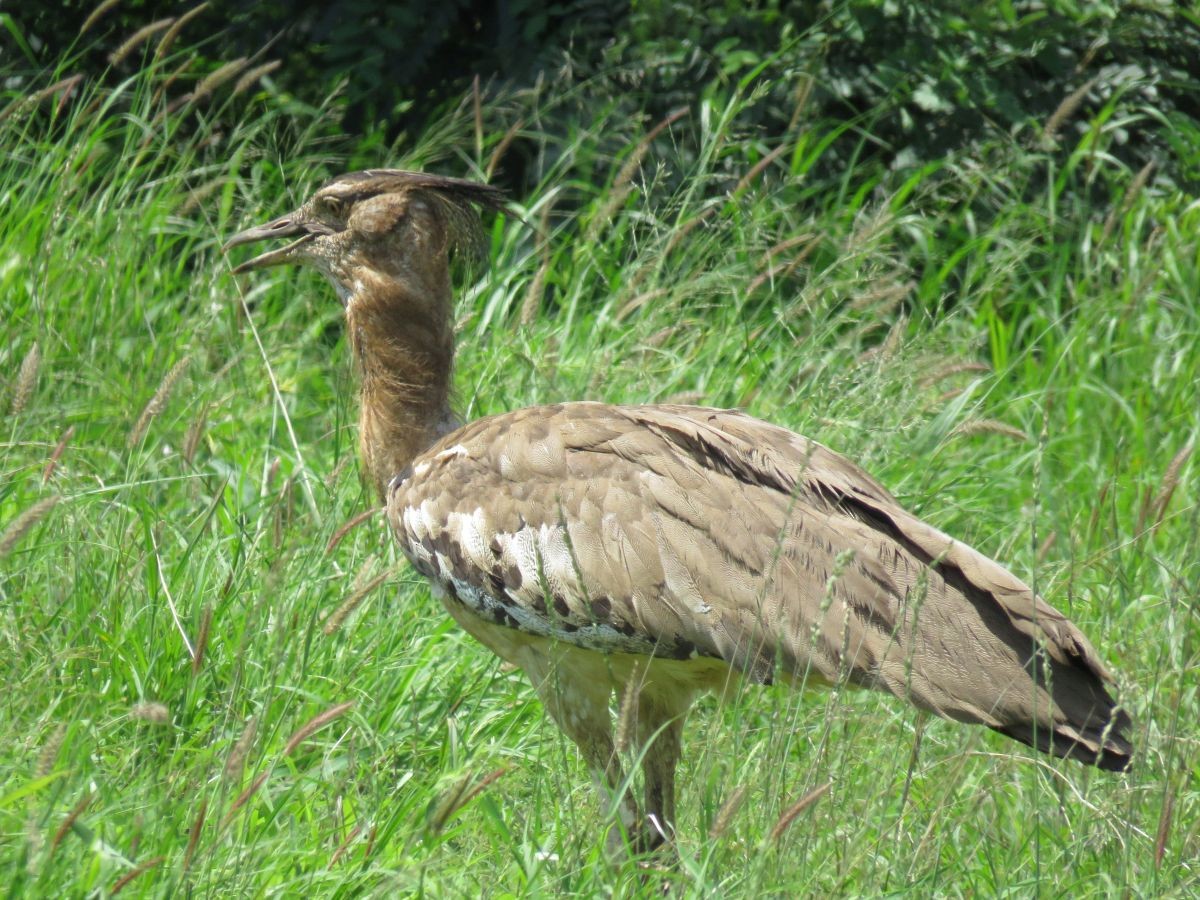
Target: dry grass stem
(133,873)
(56,454)
(138,38)
(252,76)
(158,402)
(96,14)
(151,711)
(1065,110)
(990,426)
(22,524)
(790,814)
(350,526)
(728,810)
(339,615)
(26,379)
(686,398)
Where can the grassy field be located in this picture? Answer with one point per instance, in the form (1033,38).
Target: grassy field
(215,688)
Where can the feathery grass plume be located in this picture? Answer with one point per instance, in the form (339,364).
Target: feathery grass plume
(26,379)
(218,77)
(138,38)
(460,795)
(885,350)
(883,299)
(1065,110)
(241,748)
(350,525)
(133,873)
(351,603)
(165,85)
(22,524)
(252,76)
(505,142)
(304,733)
(1127,200)
(197,196)
(532,303)
(344,846)
(790,814)
(1164,828)
(151,711)
(194,834)
(63,88)
(622,184)
(1170,481)
(70,819)
(206,615)
(952,368)
(776,273)
(477,109)
(194,434)
(627,713)
(56,454)
(990,426)
(315,724)
(96,14)
(49,754)
(636,303)
(158,402)
(173,32)
(725,814)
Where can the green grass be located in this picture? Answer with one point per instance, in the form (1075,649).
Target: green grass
(847,309)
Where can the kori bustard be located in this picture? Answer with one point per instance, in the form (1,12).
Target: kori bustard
(655,552)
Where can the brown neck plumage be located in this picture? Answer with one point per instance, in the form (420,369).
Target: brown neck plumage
(403,343)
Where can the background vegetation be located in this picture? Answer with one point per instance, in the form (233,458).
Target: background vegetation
(222,680)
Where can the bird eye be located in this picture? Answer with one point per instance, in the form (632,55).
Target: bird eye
(335,205)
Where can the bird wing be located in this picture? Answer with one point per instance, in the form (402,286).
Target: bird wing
(684,532)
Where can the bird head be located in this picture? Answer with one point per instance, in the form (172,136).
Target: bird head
(386,223)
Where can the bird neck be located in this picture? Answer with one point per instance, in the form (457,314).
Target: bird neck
(403,343)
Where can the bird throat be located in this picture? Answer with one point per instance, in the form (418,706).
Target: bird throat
(403,344)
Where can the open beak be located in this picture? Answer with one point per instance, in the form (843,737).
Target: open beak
(281,228)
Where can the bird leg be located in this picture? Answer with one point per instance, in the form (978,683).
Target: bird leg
(580,707)
(660,718)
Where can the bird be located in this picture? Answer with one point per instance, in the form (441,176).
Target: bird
(639,556)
